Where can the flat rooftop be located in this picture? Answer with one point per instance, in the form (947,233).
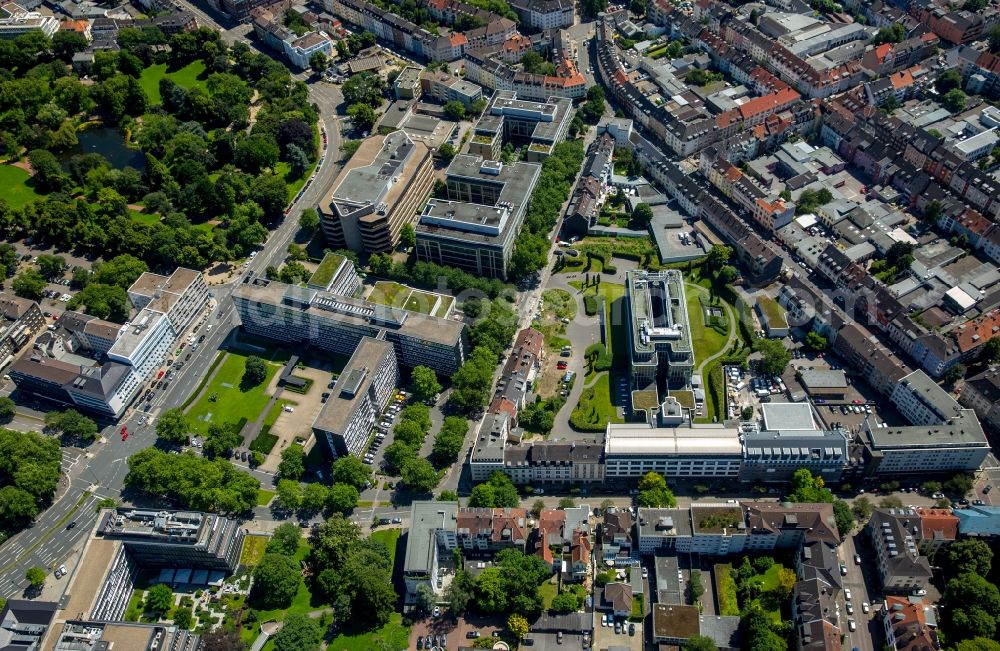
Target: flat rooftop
(338,411)
(376,173)
(142,525)
(787,416)
(698,440)
(350,310)
(658,311)
(426,518)
(140,327)
(961,431)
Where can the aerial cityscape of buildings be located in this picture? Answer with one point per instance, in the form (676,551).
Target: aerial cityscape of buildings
(660,325)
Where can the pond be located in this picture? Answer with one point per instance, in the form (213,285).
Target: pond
(109,143)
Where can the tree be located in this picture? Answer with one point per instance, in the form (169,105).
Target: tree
(172,425)
(425,598)
(977,644)
(299,633)
(183,618)
(816,341)
(408,236)
(498,492)
(121,270)
(564,602)
(807,488)
(221,439)
(342,498)
(958,485)
(653,492)
(48,173)
(419,476)
(994,35)
(66,43)
(254,371)
(699,643)
(364,87)
(643,213)
(276,580)
(314,497)
(424,383)
(454,110)
(954,100)
(397,454)
(51,266)
(843,517)
(892,34)
(954,374)
(293,462)
(72,424)
(159,599)
(192,481)
(350,470)
(362,115)
(447,152)
(719,255)
(108,302)
(974,603)
(7,409)
(29,284)
(318,62)
(285,539)
(309,221)
(449,441)
(968,556)
(775,356)
(289,494)
(862,508)
(518,626)
(35,576)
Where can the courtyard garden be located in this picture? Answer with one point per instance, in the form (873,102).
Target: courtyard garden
(18,190)
(187,78)
(225,398)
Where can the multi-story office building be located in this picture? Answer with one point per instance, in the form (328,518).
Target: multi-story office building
(686,451)
(659,329)
(20,319)
(336,274)
(180,296)
(895,536)
(15,20)
(379,190)
(944,437)
(180,539)
(445,88)
(309,317)
(475,228)
(539,125)
(430,541)
(544,14)
(98,636)
(344,424)
(787,439)
(145,343)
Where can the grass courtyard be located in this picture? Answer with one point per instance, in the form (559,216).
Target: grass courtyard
(595,410)
(187,77)
(706,339)
(393,635)
(231,401)
(413,300)
(16,184)
(389,538)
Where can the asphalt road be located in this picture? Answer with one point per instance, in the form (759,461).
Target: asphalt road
(102,470)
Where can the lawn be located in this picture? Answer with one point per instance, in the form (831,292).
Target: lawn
(187,77)
(725,590)
(707,340)
(388,537)
(301,602)
(14,182)
(388,293)
(594,410)
(774,313)
(324,272)
(421,302)
(614,318)
(253,548)
(264,496)
(548,591)
(148,218)
(391,636)
(232,402)
(284,170)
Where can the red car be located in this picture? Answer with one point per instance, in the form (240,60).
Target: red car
(561,365)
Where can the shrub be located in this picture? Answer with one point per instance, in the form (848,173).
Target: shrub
(591,304)
(610,269)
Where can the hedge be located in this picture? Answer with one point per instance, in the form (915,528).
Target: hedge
(725,590)
(591,304)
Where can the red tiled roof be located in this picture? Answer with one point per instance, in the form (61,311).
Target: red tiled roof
(939,524)
(976,333)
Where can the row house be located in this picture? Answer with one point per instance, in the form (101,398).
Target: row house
(767,209)
(981,393)
(887,58)
(956,27)
(862,351)
(973,335)
(490,530)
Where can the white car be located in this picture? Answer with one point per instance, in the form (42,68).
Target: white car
(847,594)
(289,409)
(852,625)
(865,608)
(850,608)
(604,619)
